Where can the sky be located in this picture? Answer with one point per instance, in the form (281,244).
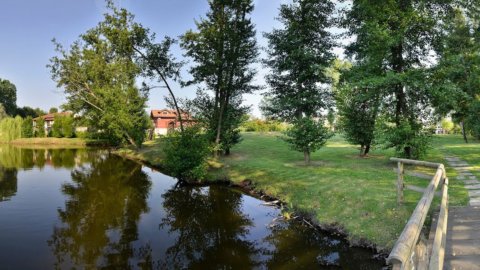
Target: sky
(28,26)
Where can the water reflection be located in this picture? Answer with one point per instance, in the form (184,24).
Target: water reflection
(210,228)
(86,209)
(99,223)
(8,183)
(25,158)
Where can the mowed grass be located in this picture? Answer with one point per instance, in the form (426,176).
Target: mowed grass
(339,187)
(359,194)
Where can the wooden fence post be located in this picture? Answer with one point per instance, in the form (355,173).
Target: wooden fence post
(400,183)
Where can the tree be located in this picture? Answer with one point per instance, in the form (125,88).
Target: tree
(28,111)
(40,127)
(223,48)
(394,40)
(298,57)
(3,113)
(53,110)
(307,136)
(8,96)
(457,75)
(27,127)
(98,74)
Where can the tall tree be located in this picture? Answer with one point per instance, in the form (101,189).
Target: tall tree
(223,48)
(457,75)
(98,74)
(298,56)
(8,96)
(394,40)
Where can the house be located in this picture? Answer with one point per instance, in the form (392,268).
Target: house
(49,120)
(165,120)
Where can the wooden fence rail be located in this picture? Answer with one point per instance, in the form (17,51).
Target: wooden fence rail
(406,253)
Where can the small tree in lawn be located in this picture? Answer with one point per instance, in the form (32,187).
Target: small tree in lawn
(299,55)
(307,136)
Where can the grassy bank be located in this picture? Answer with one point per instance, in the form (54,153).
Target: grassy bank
(339,188)
(56,142)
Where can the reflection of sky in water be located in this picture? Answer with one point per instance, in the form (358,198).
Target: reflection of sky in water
(106,211)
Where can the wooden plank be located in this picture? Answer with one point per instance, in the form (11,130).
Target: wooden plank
(438,247)
(417,162)
(416,174)
(405,244)
(468,262)
(400,183)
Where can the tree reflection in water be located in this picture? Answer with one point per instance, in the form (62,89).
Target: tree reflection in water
(102,209)
(210,230)
(8,183)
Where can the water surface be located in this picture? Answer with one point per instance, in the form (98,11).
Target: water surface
(87,209)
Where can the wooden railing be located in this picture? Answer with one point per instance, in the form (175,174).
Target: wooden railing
(409,252)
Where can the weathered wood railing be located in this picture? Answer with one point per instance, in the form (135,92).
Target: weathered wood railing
(407,252)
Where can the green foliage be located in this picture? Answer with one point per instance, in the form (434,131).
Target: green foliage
(392,49)
(259,125)
(307,136)
(53,110)
(447,125)
(28,111)
(408,142)
(8,96)
(186,154)
(27,127)
(298,57)
(98,75)
(63,126)
(40,128)
(10,128)
(3,114)
(223,48)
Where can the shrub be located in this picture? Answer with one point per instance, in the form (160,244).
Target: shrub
(258,125)
(186,154)
(40,128)
(27,127)
(63,126)
(409,141)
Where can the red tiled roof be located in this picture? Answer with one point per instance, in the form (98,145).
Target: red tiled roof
(51,116)
(165,113)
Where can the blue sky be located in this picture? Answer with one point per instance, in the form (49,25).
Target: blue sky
(27,27)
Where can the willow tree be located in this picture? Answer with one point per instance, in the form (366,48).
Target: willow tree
(98,76)
(223,49)
(298,57)
(393,42)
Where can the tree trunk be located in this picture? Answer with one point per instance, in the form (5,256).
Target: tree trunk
(408,152)
(362,148)
(464,133)
(367,150)
(306,156)
(227,151)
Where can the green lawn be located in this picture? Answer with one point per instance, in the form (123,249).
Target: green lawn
(339,188)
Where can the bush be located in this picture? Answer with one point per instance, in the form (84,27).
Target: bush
(186,154)
(407,140)
(27,127)
(63,126)
(40,128)
(258,125)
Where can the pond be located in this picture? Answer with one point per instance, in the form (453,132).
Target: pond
(88,209)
